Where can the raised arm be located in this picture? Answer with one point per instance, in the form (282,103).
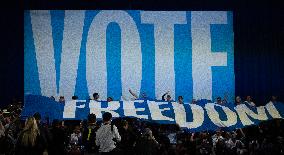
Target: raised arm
(133,94)
(123,98)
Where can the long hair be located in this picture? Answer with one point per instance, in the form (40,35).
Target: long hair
(2,130)
(30,132)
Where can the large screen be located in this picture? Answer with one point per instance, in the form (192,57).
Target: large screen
(78,52)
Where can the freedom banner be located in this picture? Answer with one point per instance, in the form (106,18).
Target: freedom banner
(201,116)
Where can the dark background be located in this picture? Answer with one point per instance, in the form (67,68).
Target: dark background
(258,40)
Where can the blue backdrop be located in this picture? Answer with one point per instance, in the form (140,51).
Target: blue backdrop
(81,52)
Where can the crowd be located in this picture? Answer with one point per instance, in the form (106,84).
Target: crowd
(132,136)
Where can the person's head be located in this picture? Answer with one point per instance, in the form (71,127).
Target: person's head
(52,97)
(31,132)
(124,124)
(169,97)
(109,99)
(31,124)
(74,97)
(180,99)
(61,99)
(77,129)
(248,98)
(96,96)
(56,123)
(238,100)
(219,132)
(7,120)
(219,99)
(193,101)
(107,117)
(273,98)
(92,119)
(37,117)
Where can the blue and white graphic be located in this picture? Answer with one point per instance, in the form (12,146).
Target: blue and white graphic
(201,116)
(79,52)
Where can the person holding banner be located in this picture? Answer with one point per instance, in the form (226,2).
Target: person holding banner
(180,100)
(96,96)
(238,100)
(193,101)
(109,99)
(61,99)
(249,101)
(143,95)
(74,97)
(168,97)
(135,96)
(219,100)
(273,99)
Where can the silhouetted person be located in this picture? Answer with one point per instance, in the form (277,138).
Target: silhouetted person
(96,96)
(43,131)
(52,98)
(89,135)
(107,135)
(29,141)
(168,97)
(127,139)
(58,138)
(61,99)
(249,101)
(180,100)
(147,144)
(109,99)
(273,99)
(238,100)
(74,97)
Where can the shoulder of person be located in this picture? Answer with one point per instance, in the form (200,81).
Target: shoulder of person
(114,126)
